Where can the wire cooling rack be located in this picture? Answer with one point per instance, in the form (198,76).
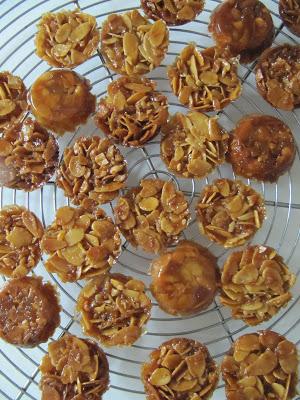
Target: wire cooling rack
(19,374)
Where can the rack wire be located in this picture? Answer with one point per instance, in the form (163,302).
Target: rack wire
(19,374)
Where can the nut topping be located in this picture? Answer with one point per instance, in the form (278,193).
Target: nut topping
(173,12)
(114,309)
(67,38)
(256,283)
(81,245)
(180,369)
(28,156)
(206,80)
(29,311)
(261,147)
(242,27)
(193,145)
(157,225)
(278,76)
(13,99)
(256,372)
(20,235)
(132,112)
(131,45)
(290,14)
(229,212)
(61,100)
(74,368)
(92,172)
(184,280)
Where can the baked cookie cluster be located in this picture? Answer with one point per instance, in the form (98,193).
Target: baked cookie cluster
(133,111)
(152,215)
(193,145)
(80,245)
(92,172)
(132,45)
(204,80)
(114,308)
(255,284)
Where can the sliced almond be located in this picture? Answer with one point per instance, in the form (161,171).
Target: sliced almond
(160,377)
(80,32)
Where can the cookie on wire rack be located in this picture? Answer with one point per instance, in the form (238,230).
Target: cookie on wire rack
(29,311)
(256,284)
(80,244)
(182,368)
(74,368)
(67,38)
(152,215)
(131,44)
(261,365)
(114,309)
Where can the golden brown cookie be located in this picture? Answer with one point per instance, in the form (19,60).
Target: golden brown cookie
(261,147)
(20,235)
(229,212)
(73,369)
(152,215)
(278,76)
(114,309)
(92,172)
(67,38)
(261,365)
(242,27)
(193,145)
(132,112)
(61,100)
(13,99)
(180,367)
(184,280)
(204,80)
(173,12)
(80,244)
(131,45)
(29,311)
(28,156)
(256,284)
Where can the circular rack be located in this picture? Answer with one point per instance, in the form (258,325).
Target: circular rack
(19,374)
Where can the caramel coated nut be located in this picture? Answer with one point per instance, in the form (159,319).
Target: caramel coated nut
(81,245)
(153,215)
(229,212)
(261,365)
(29,311)
(13,99)
(204,80)
(173,12)
(180,369)
(20,235)
(114,308)
(193,145)
(278,76)
(132,112)
(261,147)
(184,280)
(67,38)
(28,156)
(61,100)
(290,14)
(242,28)
(92,172)
(131,45)
(74,368)
(256,284)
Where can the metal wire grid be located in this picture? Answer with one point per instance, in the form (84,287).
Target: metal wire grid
(19,374)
